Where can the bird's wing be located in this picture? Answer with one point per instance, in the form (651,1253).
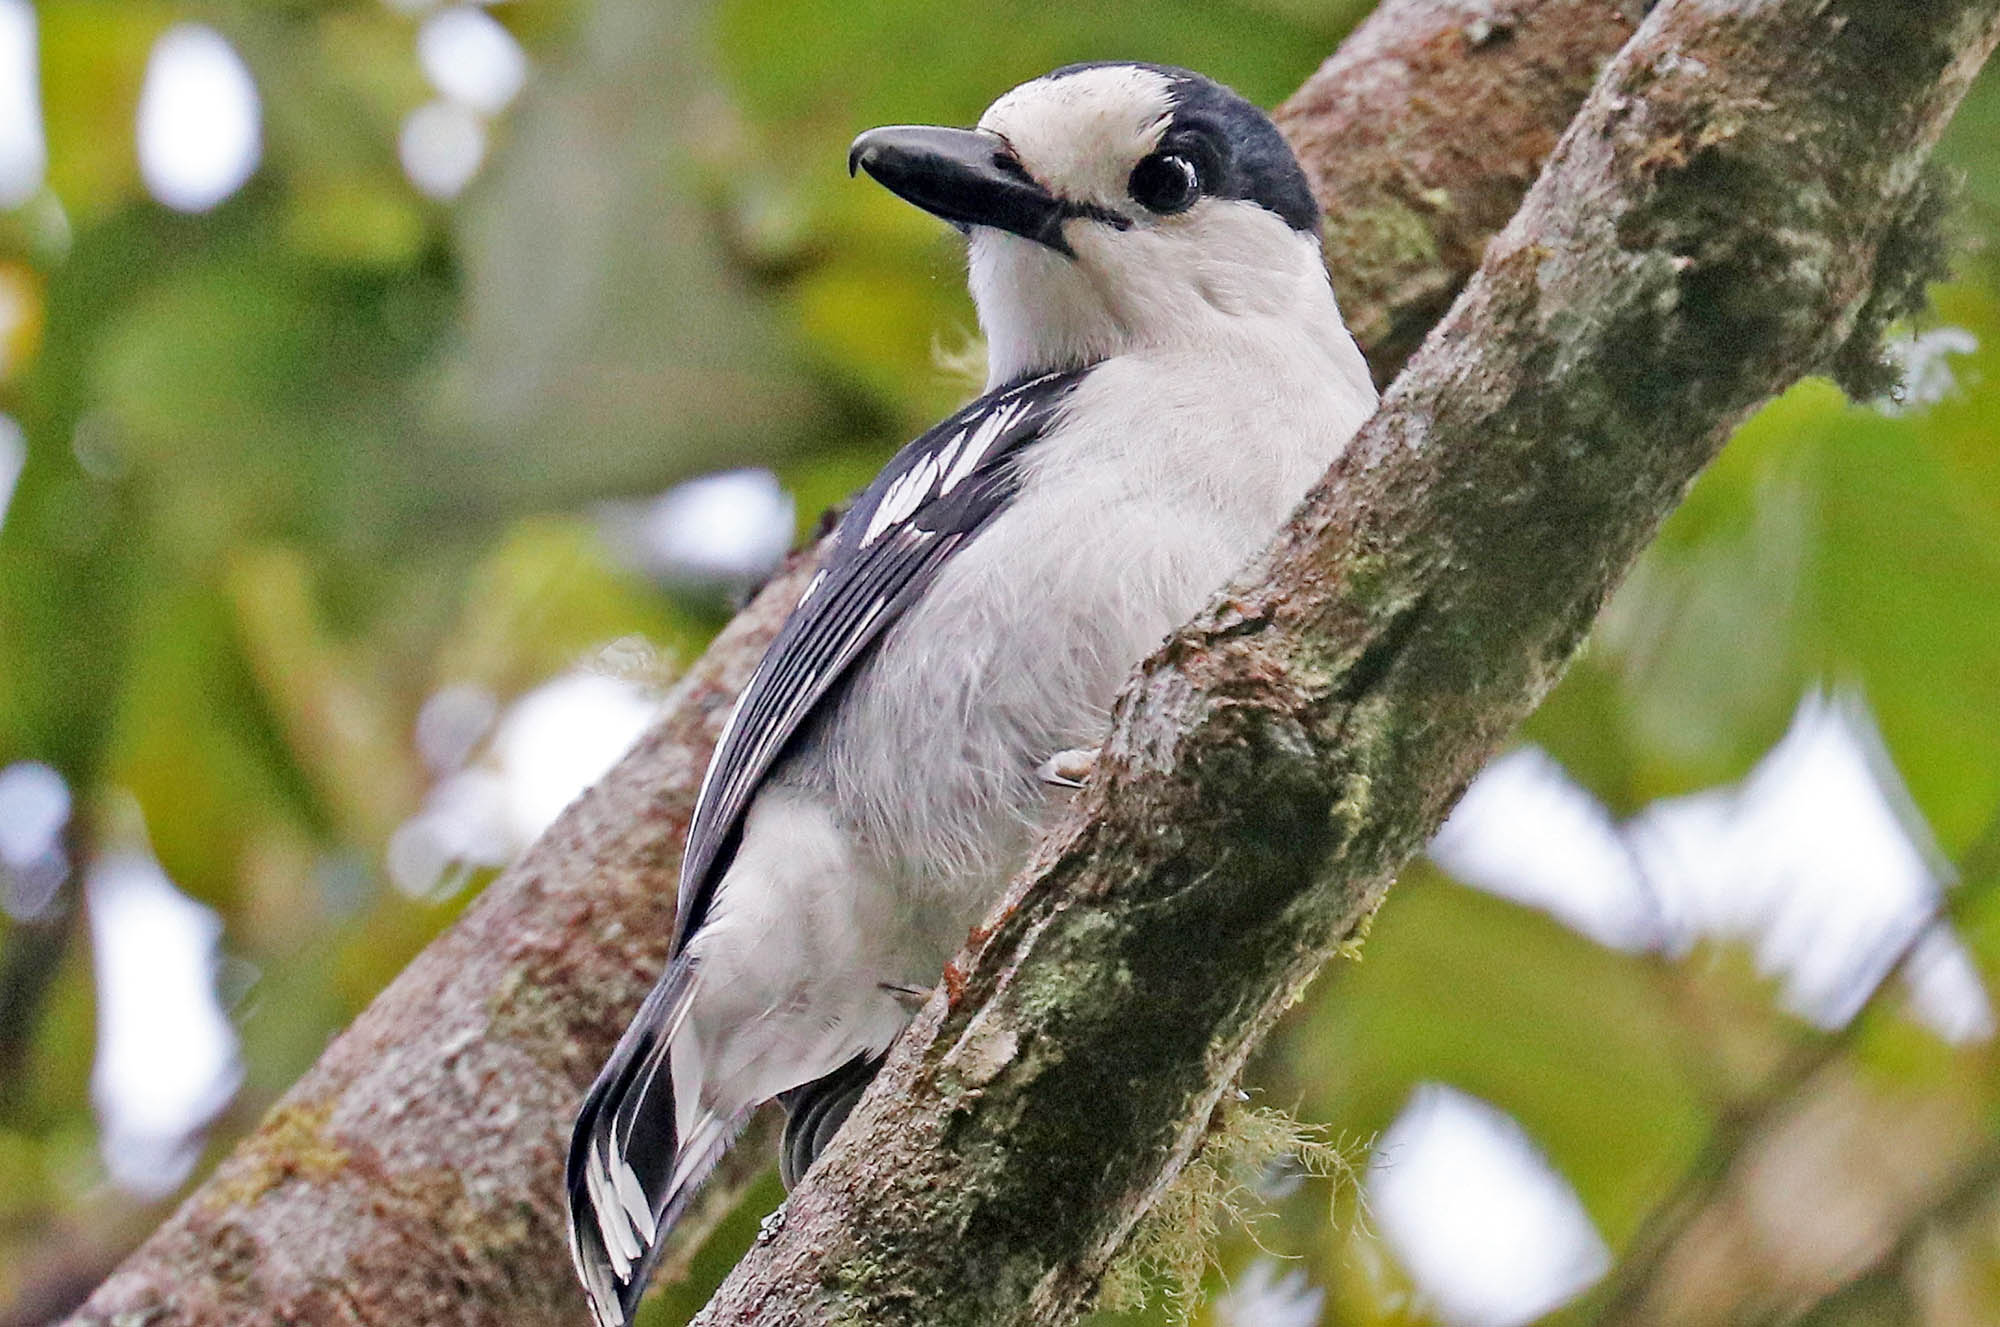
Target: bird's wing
(628,1175)
(928,501)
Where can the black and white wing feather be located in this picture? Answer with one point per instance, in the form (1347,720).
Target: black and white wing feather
(935,495)
(628,1176)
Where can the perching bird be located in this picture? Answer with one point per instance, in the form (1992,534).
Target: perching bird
(1167,376)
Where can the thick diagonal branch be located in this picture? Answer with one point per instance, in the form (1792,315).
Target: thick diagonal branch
(413,1175)
(1741,201)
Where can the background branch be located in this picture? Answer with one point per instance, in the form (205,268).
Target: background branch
(413,1174)
(1639,1290)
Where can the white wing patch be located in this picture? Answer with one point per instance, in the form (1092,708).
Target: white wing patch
(633,1198)
(990,430)
(910,491)
(612,1223)
(947,454)
(939,473)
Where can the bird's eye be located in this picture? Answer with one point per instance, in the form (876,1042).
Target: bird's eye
(1166,182)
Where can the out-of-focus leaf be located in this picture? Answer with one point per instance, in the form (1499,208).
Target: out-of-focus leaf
(542,600)
(1972,145)
(1831,542)
(339,722)
(608,343)
(74,539)
(93,60)
(264,393)
(200,756)
(887,322)
(21,314)
(64,1046)
(890,61)
(202,363)
(364,70)
(1466,989)
(360,220)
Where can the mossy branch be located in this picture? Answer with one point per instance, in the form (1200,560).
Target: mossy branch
(1740,199)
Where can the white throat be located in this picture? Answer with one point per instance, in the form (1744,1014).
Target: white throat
(1227,277)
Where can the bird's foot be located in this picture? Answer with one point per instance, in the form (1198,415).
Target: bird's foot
(910,997)
(768,1228)
(1068,769)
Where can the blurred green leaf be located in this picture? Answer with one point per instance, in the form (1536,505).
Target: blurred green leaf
(1582,1045)
(608,343)
(545,598)
(208,769)
(1831,543)
(93,60)
(341,724)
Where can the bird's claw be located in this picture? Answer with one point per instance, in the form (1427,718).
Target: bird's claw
(768,1228)
(1068,769)
(910,997)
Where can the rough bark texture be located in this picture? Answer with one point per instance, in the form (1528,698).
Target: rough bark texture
(1409,209)
(413,1175)
(1741,201)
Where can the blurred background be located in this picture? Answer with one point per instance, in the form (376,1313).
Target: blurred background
(393,395)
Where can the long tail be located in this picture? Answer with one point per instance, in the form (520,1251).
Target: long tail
(629,1177)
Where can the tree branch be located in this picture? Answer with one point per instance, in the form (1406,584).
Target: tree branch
(1639,1286)
(414,1174)
(1421,135)
(1741,202)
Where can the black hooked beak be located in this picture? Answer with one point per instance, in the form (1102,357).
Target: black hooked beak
(966,176)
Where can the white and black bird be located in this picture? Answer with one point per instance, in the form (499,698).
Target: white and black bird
(1168,376)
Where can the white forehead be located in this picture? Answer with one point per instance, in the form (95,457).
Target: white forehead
(1081,133)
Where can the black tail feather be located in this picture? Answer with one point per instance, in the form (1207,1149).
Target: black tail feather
(815,1111)
(627,1180)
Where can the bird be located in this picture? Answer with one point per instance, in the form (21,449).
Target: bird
(1168,374)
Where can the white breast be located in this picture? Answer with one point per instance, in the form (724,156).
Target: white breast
(1165,475)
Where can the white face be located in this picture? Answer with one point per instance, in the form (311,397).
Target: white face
(1136,276)
(1081,134)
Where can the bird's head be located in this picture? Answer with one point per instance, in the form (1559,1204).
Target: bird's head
(1119,207)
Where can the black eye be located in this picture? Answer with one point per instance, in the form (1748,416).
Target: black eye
(1166,182)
